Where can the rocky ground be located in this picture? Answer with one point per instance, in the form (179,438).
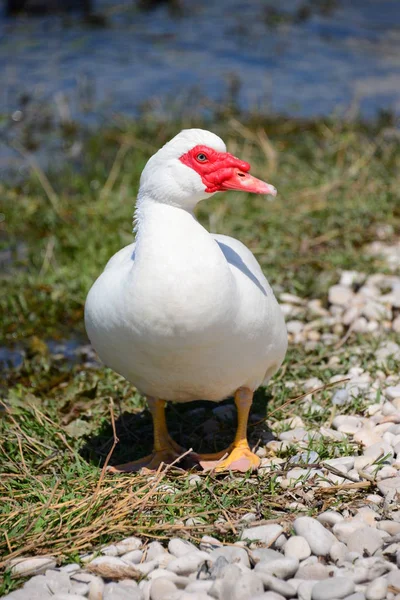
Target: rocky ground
(349,551)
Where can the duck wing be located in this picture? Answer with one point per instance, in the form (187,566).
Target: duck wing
(240,257)
(122,257)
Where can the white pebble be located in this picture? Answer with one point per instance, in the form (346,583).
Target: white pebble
(265,554)
(184,565)
(388,409)
(276,585)
(96,589)
(200,585)
(112,567)
(366,514)
(377,589)
(305,457)
(393,579)
(319,538)
(232,554)
(282,569)
(332,434)
(389,486)
(297,547)
(304,590)
(246,585)
(294,435)
(340,397)
(360,462)
(315,571)
(267,534)
(386,472)
(341,295)
(330,589)
(179,547)
(153,550)
(345,529)
(160,588)
(110,550)
(348,278)
(367,437)
(347,424)
(248,518)
(25,567)
(330,517)
(124,590)
(392,392)
(71,568)
(294,326)
(156,573)
(134,557)
(80,589)
(195,480)
(379,450)
(391,527)
(338,551)
(58,582)
(208,543)
(374,498)
(280,542)
(128,544)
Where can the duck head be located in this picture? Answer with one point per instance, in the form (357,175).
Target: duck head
(193,166)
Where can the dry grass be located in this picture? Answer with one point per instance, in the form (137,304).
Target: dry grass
(56,502)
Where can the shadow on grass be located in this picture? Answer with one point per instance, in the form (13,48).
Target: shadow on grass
(203,426)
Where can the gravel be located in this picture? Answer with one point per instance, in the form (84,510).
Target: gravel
(228,572)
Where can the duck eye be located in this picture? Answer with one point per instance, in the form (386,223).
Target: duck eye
(201,157)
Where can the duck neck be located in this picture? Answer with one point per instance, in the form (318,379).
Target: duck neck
(172,237)
(156,223)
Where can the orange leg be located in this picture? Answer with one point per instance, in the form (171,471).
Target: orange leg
(165,450)
(240,457)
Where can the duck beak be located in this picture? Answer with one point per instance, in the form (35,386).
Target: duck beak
(242,181)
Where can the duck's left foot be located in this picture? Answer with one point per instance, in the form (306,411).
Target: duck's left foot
(240,459)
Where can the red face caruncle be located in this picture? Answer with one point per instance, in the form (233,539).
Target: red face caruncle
(212,166)
(222,171)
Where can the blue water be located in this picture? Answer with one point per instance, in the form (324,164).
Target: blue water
(345,60)
(72,351)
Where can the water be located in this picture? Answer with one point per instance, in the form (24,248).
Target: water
(346,53)
(73,350)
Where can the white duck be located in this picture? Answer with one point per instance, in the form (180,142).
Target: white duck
(184,314)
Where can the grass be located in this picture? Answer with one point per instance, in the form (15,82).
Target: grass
(338,184)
